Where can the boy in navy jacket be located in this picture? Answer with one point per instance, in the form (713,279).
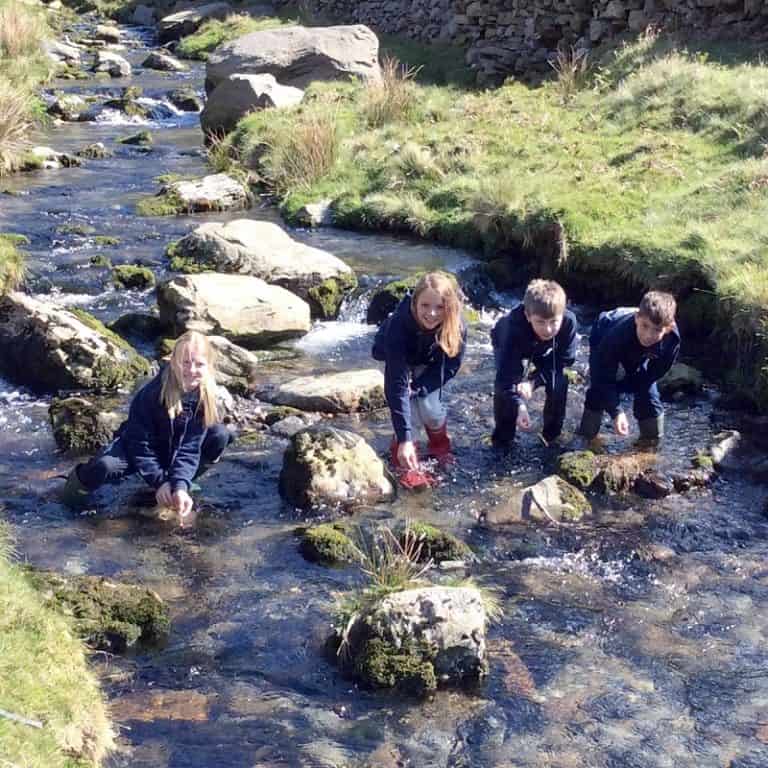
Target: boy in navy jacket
(542,332)
(630,350)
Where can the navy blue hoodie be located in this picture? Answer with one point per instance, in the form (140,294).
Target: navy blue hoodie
(614,342)
(403,345)
(160,448)
(514,340)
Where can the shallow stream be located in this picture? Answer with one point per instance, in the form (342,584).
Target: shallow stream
(634,640)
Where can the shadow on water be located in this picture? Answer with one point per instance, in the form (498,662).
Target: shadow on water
(636,638)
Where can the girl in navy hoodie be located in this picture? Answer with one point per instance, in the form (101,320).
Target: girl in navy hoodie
(171,435)
(422,344)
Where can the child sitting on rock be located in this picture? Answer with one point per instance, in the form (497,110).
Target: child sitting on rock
(171,435)
(630,349)
(532,345)
(422,344)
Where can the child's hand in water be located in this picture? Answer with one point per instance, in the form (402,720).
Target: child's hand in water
(525,390)
(164,496)
(406,454)
(523,418)
(621,424)
(182,503)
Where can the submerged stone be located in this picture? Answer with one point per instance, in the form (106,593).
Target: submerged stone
(328,543)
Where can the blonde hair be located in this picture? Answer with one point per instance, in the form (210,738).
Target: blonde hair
(544,298)
(172,390)
(449,333)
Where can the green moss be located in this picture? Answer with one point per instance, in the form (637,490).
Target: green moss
(576,504)
(11,238)
(83,230)
(167,203)
(189,262)
(105,240)
(253,438)
(387,298)
(107,614)
(79,426)
(409,669)
(281,412)
(325,299)
(328,543)
(130,276)
(165,347)
(436,544)
(11,264)
(579,468)
(703,460)
(100,260)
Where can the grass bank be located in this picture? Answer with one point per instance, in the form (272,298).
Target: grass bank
(647,169)
(45,681)
(23,66)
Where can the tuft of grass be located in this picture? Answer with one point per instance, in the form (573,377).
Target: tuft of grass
(21,33)
(11,263)
(394,99)
(571,66)
(15,124)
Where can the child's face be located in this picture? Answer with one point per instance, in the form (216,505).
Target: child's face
(648,333)
(194,367)
(430,309)
(545,328)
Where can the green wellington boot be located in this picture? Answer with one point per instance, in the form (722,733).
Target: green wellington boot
(651,428)
(590,424)
(74,494)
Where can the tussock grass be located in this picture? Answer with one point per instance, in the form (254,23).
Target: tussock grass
(11,263)
(571,66)
(15,123)
(20,31)
(395,98)
(44,677)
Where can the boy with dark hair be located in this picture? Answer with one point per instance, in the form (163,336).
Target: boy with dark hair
(641,343)
(542,332)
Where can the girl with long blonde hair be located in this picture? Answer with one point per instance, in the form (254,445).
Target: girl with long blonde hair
(171,435)
(422,345)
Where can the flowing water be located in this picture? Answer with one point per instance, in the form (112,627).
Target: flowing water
(635,639)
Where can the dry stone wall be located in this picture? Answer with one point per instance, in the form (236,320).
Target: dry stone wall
(515,36)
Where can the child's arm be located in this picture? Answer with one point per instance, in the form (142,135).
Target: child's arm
(398,395)
(187,459)
(603,374)
(140,439)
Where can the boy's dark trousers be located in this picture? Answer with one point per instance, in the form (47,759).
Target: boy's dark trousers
(112,464)
(646,406)
(505,410)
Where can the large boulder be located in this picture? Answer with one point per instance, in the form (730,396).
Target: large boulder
(608,472)
(346,392)
(112,64)
(244,309)
(59,51)
(184,23)
(298,55)
(52,349)
(418,638)
(216,192)
(163,62)
(325,466)
(235,366)
(68,107)
(81,425)
(680,380)
(550,500)
(265,250)
(238,95)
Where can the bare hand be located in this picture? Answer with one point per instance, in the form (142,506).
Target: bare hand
(182,503)
(406,455)
(523,418)
(525,389)
(621,424)
(164,496)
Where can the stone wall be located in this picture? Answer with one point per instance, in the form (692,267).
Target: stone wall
(515,36)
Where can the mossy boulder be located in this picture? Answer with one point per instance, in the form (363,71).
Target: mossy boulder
(385,300)
(109,615)
(408,669)
(82,426)
(615,474)
(328,543)
(140,139)
(551,500)
(325,299)
(280,412)
(574,503)
(580,468)
(166,203)
(435,544)
(138,325)
(131,276)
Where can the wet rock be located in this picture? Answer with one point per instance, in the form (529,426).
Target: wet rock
(62,51)
(694,478)
(345,392)
(45,158)
(580,468)
(319,214)
(417,638)
(112,64)
(142,138)
(652,485)
(298,55)
(384,301)
(724,448)
(290,425)
(163,62)
(82,426)
(235,366)
(238,95)
(68,107)
(606,472)
(328,544)
(156,706)
(107,33)
(550,500)
(267,251)
(95,151)
(681,379)
(325,466)
(185,99)
(434,544)
(137,325)
(244,309)
(109,615)
(184,23)
(62,349)
(131,276)
(125,104)
(217,192)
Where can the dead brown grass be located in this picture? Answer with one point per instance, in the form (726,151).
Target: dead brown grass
(15,122)
(394,98)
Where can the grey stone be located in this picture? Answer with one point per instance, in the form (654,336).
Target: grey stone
(184,23)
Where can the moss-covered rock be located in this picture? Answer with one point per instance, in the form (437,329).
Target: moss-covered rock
(131,276)
(325,299)
(140,139)
(435,544)
(328,543)
(580,468)
(166,203)
(575,504)
(100,260)
(380,665)
(387,298)
(108,615)
(81,426)
(281,412)
(105,240)
(182,260)
(138,325)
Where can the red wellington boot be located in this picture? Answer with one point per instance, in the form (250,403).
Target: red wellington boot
(439,445)
(411,479)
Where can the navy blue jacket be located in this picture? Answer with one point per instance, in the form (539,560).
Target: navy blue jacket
(160,448)
(614,342)
(514,340)
(403,345)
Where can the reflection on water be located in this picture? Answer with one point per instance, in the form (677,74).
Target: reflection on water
(634,639)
